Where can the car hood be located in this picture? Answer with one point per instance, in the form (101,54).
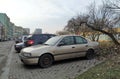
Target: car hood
(35,48)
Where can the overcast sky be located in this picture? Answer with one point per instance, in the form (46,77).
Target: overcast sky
(49,15)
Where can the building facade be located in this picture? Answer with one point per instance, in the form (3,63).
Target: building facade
(1,26)
(9,29)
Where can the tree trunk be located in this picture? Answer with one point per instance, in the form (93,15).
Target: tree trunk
(98,36)
(104,32)
(113,39)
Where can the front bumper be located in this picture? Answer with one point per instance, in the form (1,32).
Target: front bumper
(29,60)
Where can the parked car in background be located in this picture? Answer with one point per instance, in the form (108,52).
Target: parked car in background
(18,40)
(34,39)
(58,48)
(21,39)
(19,46)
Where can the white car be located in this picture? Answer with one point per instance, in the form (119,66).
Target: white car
(58,48)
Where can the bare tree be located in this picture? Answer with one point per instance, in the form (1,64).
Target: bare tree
(63,32)
(103,20)
(100,19)
(72,26)
(113,4)
(94,35)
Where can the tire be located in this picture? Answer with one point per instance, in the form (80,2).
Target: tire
(18,51)
(90,54)
(45,61)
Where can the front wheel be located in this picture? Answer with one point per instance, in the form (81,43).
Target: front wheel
(45,61)
(90,54)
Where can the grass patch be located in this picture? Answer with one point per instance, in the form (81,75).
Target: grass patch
(109,69)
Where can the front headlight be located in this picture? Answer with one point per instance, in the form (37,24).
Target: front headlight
(27,54)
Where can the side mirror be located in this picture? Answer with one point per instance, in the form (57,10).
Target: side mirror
(61,44)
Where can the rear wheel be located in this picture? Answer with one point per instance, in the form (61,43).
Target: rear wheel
(45,61)
(90,54)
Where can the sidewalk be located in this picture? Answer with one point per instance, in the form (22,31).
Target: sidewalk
(5,48)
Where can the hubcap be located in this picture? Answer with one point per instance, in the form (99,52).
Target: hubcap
(46,61)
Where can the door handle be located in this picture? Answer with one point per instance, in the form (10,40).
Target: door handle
(73,47)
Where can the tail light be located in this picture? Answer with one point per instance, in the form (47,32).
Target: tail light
(30,42)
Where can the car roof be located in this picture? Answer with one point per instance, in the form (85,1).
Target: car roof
(62,36)
(43,34)
(70,35)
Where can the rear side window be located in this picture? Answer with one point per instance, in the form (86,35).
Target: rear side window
(80,40)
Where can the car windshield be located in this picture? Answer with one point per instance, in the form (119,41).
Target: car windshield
(52,41)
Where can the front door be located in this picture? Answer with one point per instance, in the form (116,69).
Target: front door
(66,50)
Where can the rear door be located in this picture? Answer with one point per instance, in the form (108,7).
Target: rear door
(81,46)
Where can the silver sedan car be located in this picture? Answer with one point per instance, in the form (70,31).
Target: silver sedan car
(58,48)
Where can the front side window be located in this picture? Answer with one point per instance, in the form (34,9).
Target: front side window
(68,40)
(80,40)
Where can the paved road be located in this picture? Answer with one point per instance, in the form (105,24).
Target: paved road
(66,69)
(5,48)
